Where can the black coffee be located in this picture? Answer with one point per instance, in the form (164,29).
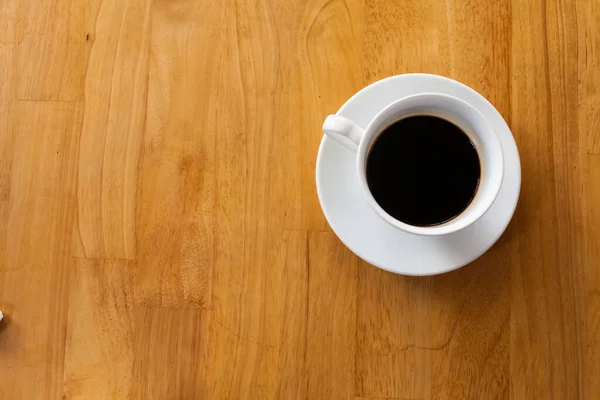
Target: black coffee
(423,170)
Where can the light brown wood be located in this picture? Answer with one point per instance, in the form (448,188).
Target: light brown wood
(160,233)
(100,330)
(50,55)
(115,102)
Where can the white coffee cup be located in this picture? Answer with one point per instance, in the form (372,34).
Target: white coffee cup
(450,108)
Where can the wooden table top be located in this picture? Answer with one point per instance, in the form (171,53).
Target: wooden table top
(160,232)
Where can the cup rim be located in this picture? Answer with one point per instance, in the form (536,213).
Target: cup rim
(446,227)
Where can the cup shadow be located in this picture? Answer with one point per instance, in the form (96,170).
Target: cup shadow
(446,311)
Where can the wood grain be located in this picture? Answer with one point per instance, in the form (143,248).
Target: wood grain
(34,276)
(51,51)
(112,130)
(547,298)
(591,355)
(175,223)
(33,333)
(8,22)
(100,330)
(42,193)
(168,357)
(160,232)
(332,321)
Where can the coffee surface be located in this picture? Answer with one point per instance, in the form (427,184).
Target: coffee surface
(423,170)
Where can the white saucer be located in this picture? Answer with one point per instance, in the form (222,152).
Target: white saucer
(374,240)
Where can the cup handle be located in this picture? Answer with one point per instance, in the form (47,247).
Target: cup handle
(344,131)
